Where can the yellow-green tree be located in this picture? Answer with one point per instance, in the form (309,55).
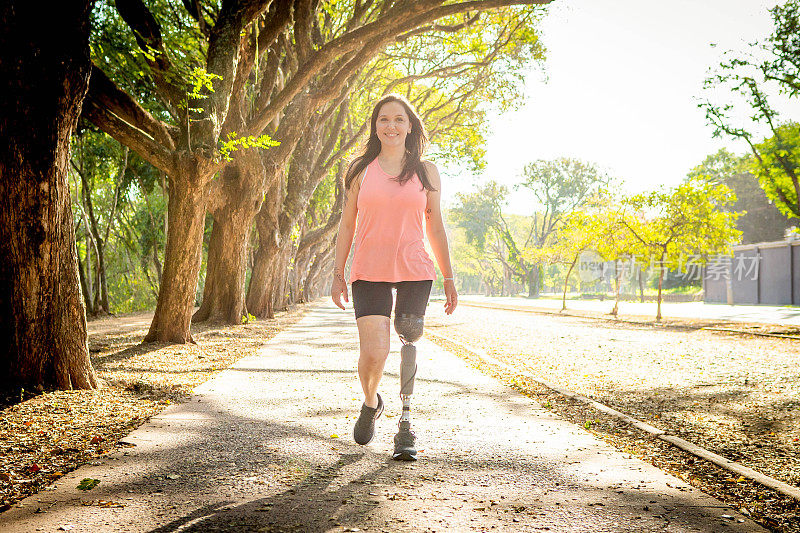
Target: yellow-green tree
(687,221)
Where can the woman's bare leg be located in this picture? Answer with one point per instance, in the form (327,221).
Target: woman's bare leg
(373,336)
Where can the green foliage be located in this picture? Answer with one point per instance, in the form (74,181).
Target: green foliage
(233,142)
(130,207)
(771,66)
(201,82)
(778,166)
(759,220)
(455,78)
(560,187)
(479,213)
(114,49)
(720,166)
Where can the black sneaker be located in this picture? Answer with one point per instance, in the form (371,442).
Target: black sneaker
(405,444)
(365,425)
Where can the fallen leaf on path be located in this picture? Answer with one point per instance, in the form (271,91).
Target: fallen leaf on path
(88,483)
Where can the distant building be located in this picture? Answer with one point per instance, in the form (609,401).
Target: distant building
(765,273)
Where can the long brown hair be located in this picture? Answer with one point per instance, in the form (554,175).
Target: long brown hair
(416,141)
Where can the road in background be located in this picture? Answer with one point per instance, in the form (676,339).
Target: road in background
(766,314)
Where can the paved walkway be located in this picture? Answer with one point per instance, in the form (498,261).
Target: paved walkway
(765,314)
(267,446)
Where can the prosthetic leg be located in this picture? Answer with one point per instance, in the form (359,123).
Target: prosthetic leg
(409,328)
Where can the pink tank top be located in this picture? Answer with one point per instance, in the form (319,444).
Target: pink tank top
(389,242)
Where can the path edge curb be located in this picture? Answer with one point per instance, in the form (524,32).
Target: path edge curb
(698,451)
(631,319)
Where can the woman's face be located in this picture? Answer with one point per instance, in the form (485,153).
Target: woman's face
(392,125)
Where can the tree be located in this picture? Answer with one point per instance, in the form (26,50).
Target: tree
(560,187)
(759,220)
(45,66)
(594,228)
(186,78)
(449,83)
(577,235)
(687,222)
(774,64)
(102,185)
(118,206)
(276,61)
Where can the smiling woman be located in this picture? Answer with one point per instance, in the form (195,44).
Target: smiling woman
(391,193)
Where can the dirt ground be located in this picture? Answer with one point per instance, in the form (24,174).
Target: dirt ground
(47,435)
(737,395)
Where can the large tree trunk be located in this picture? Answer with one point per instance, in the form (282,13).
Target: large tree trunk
(533,282)
(300,133)
(259,292)
(320,245)
(315,282)
(45,66)
(223,293)
(240,198)
(280,283)
(183,255)
(298,278)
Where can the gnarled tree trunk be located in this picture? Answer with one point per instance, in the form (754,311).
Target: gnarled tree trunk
(45,64)
(239,199)
(183,255)
(315,281)
(259,292)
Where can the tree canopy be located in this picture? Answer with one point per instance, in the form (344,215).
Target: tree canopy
(767,68)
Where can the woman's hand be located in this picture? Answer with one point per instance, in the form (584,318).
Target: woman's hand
(339,289)
(451,296)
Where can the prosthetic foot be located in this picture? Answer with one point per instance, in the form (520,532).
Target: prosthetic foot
(409,328)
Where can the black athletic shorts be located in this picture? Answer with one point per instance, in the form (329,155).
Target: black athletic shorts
(375,297)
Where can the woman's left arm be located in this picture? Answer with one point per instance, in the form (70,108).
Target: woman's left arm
(434,228)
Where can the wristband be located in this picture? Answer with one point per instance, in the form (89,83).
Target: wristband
(449,279)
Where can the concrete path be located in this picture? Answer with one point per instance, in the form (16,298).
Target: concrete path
(267,446)
(765,314)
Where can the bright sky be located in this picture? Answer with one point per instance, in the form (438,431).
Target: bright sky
(623,78)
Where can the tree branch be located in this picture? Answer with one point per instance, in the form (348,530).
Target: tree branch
(128,134)
(394,21)
(105,94)
(147,33)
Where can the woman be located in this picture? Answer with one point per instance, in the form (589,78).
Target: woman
(389,190)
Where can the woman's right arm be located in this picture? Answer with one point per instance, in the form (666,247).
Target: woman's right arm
(344,240)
